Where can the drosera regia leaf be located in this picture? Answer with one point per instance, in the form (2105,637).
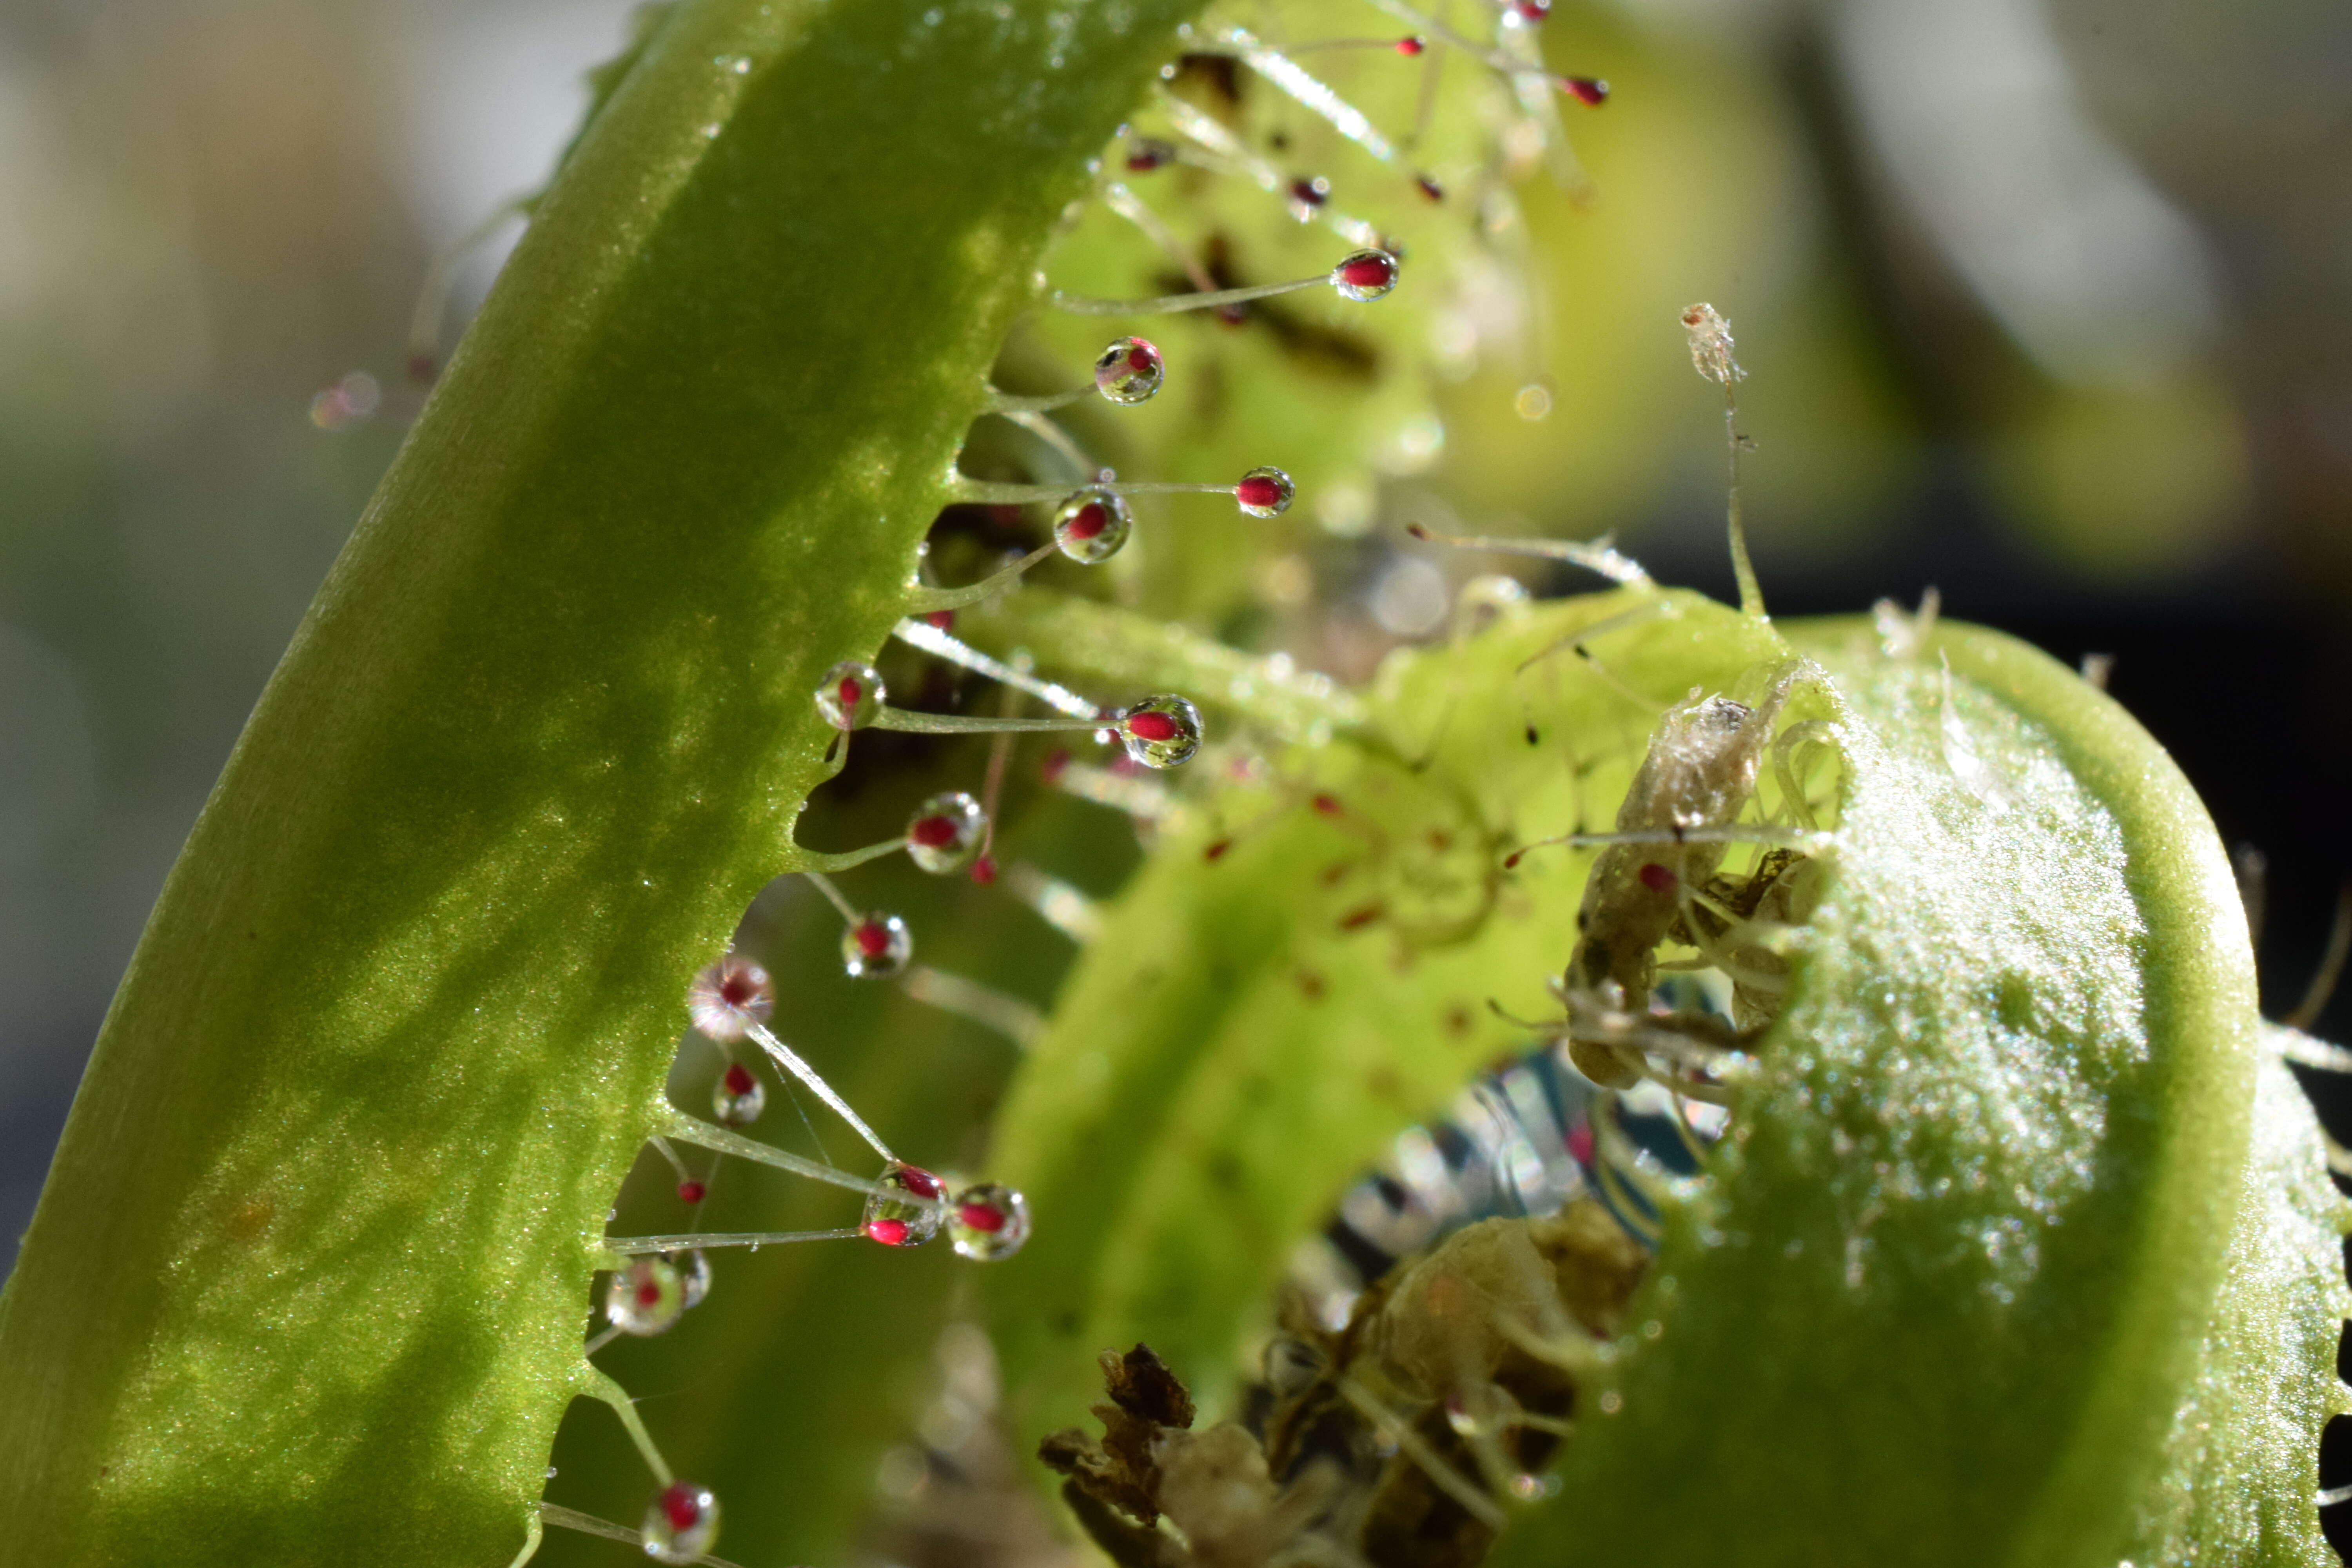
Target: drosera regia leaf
(308,1278)
(1948,1289)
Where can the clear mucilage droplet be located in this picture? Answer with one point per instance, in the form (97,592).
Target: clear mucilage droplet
(729,996)
(945,833)
(1264,492)
(1093,526)
(1160,732)
(1366,276)
(988,1222)
(681,1522)
(876,947)
(907,1221)
(851,694)
(737,1097)
(645,1296)
(1129,372)
(693,1275)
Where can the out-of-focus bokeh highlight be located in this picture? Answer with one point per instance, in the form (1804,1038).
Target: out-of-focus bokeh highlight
(2047,304)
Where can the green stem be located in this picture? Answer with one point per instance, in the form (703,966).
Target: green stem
(308,1275)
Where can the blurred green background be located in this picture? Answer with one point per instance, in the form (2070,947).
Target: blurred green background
(2046,304)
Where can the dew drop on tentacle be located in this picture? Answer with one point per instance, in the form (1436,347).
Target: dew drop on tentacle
(850,695)
(907,1221)
(726,998)
(693,1275)
(681,1522)
(876,947)
(1160,732)
(988,1222)
(738,1098)
(645,1296)
(1264,492)
(1093,525)
(945,833)
(1128,371)
(1365,276)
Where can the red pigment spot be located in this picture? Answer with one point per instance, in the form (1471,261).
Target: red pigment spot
(1329,805)
(1590,91)
(1580,1146)
(849,691)
(1409,46)
(1430,188)
(1151,726)
(942,619)
(737,1079)
(888,1232)
(983,871)
(932,832)
(1357,920)
(1656,878)
(648,1293)
(1087,520)
(422,368)
(1216,851)
(920,1182)
(1260,491)
(873,938)
(1307,193)
(1368,272)
(984,1217)
(681,1506)
(1056,761)
(691,1192)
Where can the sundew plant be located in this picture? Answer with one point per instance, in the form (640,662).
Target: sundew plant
(1637,1082)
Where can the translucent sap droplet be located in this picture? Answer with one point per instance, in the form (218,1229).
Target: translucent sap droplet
(850,695)
(645,1296)
(1483,600)
(693,1275)
(729,996)
(945,833)
(1093,526)
(1160,732)
(737,1097)
(876,947)
(1533,402)
(681,1522)
(1129,372)
(1367,275)
(907,1221)
(1264,492)
(988,1222)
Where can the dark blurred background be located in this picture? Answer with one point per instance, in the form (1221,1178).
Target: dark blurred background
(2046,303)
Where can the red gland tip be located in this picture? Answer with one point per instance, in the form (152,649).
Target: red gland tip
(739,1079)
(986,1218)
(872,937)
(920,1182)
(983,871)
(888,1232)
(691,1192)
(1656,878)
(932,832)
(1530,11)
(1411,45)
(682,1506)
(1216,851)
(1590,91)
(422,367)
(1329,805)
(1087,522)
(1151,726)
(1511,861)
(850,691)
(1257,492)
(942,619)
(1050,770)
(1430,188)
